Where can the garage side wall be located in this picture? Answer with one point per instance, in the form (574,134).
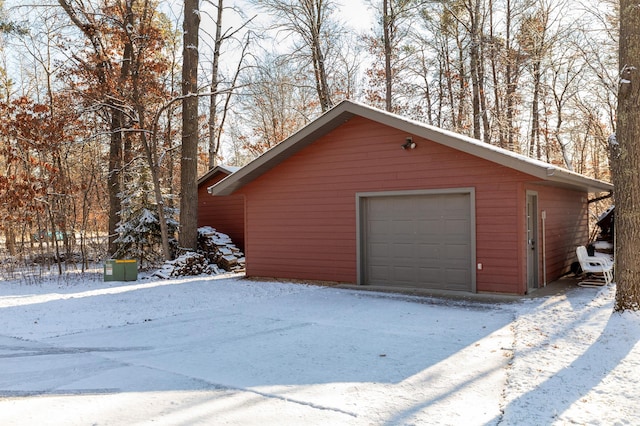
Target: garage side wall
(301,215)
(565,227)
(224,213)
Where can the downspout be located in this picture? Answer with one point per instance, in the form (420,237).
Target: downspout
(544,248)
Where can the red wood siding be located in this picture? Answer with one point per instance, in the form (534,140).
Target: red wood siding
(225,214)
(497,239)
(566,226)
(301,215)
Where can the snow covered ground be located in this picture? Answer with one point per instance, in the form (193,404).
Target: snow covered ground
(226,350)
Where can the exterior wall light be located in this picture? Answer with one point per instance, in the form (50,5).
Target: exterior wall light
(408,143)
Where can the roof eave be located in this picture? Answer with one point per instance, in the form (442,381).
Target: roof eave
(544,171)
(576,181)
(285,149)
(217,169)
(347,109)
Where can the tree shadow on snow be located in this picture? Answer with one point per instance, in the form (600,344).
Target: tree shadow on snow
(341,337)
(570,385)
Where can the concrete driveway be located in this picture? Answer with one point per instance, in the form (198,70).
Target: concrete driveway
(231,351)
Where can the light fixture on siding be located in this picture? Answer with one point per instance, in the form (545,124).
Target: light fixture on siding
(408,143)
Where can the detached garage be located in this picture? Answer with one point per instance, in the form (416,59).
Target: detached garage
(364,196)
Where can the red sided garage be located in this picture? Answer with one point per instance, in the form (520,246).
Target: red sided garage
(364,196)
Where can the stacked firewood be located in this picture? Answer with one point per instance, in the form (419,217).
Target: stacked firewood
(216,254)
(186,264)
(220,250)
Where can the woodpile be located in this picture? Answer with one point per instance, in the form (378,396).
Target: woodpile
(216,254)
(187,264)
(219,250)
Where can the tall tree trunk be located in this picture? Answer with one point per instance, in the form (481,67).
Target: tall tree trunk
(315,10)
(387,31)
(498,115)
(213,99)
(563,147)
(484,110)
(151,153)
(474,53)
(511,82)
(149,143)
(189,157)
(462,85)
(534,138)
(306,18)
(448,75)
(626,161)
(10,240)
(113,178)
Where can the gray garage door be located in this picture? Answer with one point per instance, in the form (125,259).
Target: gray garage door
(420,240)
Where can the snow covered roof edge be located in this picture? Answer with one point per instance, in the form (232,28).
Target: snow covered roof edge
(222,168)
(348,109)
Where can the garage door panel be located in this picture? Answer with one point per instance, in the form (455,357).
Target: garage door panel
(379,250)
(378,228)
(457,275)
(456,226)
(431,277)
(404,274)
(402,251)
(380,274)
(457,252)
(429,226)
(421,240)
(427,251)
(404,228)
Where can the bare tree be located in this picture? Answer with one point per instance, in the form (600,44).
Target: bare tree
(566,73)
(309,20)
(217,115)
(395,18)
(275,103)
(533,41)
(441,32)
(625,154)
(476,67)
(346,73)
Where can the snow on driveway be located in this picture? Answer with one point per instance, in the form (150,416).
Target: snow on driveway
(227,350)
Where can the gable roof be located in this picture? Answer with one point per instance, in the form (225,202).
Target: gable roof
(226,170)
(345,110)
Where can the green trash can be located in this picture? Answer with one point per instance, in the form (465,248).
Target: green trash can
(121,270)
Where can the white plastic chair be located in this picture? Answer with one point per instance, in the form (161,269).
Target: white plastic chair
(601,267)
